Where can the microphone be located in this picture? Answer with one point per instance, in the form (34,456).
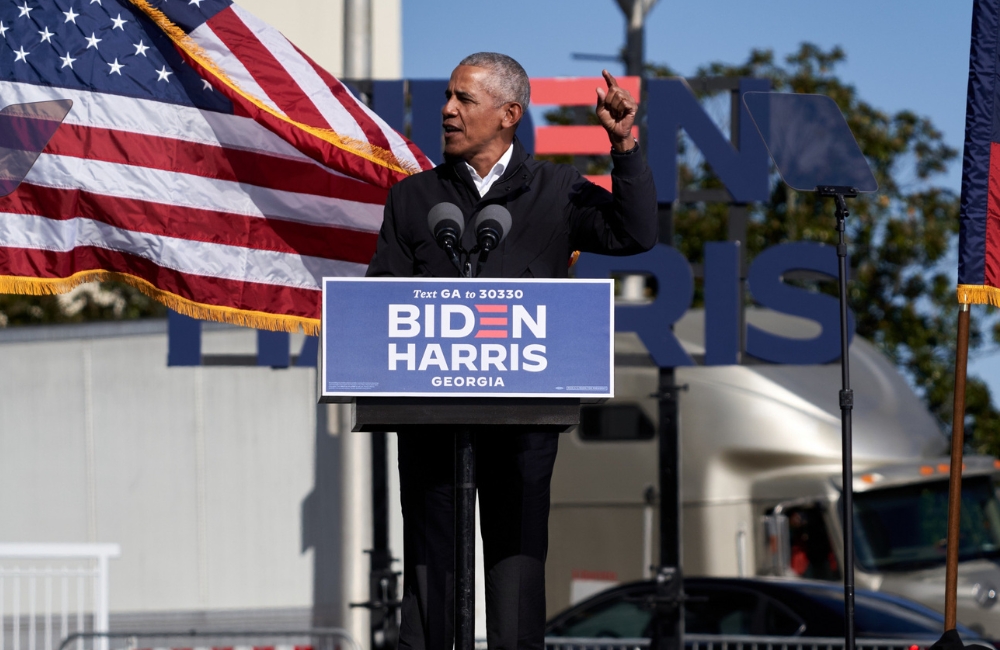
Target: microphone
(492,225)
(447,223)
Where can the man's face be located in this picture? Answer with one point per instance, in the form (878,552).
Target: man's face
(470,117)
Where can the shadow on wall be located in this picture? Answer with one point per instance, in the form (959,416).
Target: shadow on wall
(322,512)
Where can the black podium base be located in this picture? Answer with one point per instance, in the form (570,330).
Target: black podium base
(463,416)
(393,413)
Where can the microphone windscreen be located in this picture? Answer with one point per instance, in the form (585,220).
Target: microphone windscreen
(446,212)
(496,213)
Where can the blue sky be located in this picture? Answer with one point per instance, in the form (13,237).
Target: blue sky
(900,55)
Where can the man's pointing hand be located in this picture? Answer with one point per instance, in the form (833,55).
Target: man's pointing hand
(616,109)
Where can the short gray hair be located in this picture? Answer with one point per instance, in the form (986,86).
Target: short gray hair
(509,81)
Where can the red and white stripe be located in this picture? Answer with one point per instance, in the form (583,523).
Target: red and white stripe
(263,65)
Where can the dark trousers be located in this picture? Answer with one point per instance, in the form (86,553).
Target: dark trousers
(513,472)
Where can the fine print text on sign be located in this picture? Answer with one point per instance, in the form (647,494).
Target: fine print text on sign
(422,337)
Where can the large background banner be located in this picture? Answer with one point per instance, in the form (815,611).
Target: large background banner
(463,338)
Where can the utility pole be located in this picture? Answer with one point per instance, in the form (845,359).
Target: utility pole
(383,581)
(357,39)
(668,601)
(635,20)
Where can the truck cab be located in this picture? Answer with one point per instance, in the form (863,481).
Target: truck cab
(761,479)
(900,529)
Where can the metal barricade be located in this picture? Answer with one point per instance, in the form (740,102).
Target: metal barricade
(571,643)
(49,590)
(712,642)
(323,638)
(725,642)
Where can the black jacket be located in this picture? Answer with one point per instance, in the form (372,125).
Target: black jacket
(555,211)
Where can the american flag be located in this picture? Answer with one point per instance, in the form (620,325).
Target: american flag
(206,160)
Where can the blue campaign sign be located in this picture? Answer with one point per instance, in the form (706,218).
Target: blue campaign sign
(423,337)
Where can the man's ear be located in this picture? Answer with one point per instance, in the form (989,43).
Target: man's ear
(512,115)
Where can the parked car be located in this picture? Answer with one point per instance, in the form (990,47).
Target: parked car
(753,607)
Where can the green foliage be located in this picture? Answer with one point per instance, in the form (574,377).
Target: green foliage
(902,292)
(89,302)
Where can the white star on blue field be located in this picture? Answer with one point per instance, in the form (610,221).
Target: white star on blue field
(98,45)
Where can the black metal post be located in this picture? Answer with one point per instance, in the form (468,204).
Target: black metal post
(465,540)
(383,582)
(668,604)
(839,195)
(669,459)
(380,494)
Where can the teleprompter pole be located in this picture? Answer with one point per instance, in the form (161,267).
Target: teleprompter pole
(839,195)
(955,479)
(465,540)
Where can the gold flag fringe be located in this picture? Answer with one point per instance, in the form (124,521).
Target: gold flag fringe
(978,294)
(245,318)
(366,150)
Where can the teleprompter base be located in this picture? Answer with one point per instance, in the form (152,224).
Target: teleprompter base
(392,413)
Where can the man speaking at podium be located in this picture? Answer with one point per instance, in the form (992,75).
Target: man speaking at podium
(554,212)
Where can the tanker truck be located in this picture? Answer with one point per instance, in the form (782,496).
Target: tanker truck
(760,449)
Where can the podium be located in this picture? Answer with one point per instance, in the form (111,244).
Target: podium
(463,355)
(464,416)
(391,413)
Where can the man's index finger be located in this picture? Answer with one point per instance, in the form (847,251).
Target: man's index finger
(609,79)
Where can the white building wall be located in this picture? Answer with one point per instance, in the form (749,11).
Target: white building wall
(317,28)
(223,485)
(207,476)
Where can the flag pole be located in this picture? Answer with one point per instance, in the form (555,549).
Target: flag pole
(955,478)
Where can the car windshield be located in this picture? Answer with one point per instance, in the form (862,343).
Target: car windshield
(905,528)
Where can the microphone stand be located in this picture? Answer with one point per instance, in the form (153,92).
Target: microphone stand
(465,539)
(465,517)
(485,245)
(465,507)
(453,256)
(483,254)
(448,237)
(465,499)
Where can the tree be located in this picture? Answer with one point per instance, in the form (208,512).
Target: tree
(88,302)
(902,293)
